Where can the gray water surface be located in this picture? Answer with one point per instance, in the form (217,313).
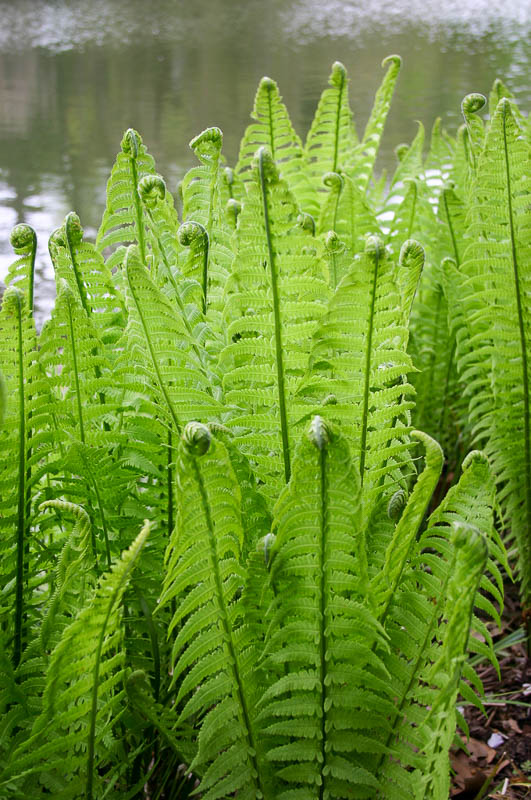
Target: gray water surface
(74,75)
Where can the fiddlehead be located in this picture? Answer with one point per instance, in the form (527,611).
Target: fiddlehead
(22,273)
(194,235)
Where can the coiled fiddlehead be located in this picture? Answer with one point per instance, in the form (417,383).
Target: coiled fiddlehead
(194,235)
(196,438)
(24,242)
(207,145)
(396,505)
(152,189)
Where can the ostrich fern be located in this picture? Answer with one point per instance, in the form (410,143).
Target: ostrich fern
(254,380)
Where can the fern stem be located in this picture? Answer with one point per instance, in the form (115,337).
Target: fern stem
(138,210)
(525,380)
(270,121)
(75,267)
(323,590)
(103,521)
(278,322)
(338,121)
(169,477)
(232,660)
(76,374)
(154,361)
(413,211)
(21,522)
(95,681)
(205,274)
(451,227)
(368,356)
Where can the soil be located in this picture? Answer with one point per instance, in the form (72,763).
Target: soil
(495,761)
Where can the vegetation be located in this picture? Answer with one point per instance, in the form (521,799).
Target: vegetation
(248,389)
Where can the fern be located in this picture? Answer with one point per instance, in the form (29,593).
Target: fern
(123,222)
(346,213)
(494,360)
(23,441)
(203,195)
(273,130)
(332,138)
(274,299)
(299,623)
(365,155)
(22,272)
(78,701)
(164,362)
(358,358)
(213,654)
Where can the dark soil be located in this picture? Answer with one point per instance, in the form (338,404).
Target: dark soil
(496,759)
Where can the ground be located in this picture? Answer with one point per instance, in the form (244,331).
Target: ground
(497,760)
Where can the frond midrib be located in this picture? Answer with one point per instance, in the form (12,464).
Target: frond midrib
(279,352)
(521,329)
(233,661)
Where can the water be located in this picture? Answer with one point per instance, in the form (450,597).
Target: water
(74,75)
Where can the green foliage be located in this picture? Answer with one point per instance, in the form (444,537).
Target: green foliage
(266,382)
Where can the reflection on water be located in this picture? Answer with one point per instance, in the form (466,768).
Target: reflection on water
(74,75)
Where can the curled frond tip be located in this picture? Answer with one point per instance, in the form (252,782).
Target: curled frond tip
(23,238)
(196,438)
(319,433)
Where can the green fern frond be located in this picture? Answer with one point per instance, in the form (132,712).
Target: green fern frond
(399,550)
(214,657)
(273,130)
(82,698)
(418,620)
(359,357)
(204,196)
(494,288)
(345,212)
(22,272)
(72,356)
(275,296)
(364,159)
(470,106)
(161,354)
(123,222)
(332,139)
(23,442)
(74,574)
(322,633)
(432,781)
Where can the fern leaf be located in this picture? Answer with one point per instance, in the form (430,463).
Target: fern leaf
(322,632)
(332,138)
(273,130)
(359,357)
(81,698)
(399,549)
(433,782)
(275,297)
(214,660)
(25,417)
(495,285)
(22,272)
(71,355)
(164,357)
(365,156)
(203,191)
(345,212)
(123,221)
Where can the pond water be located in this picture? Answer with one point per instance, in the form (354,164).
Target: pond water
(74,75)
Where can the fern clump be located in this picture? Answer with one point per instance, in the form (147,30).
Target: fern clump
(284,379)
